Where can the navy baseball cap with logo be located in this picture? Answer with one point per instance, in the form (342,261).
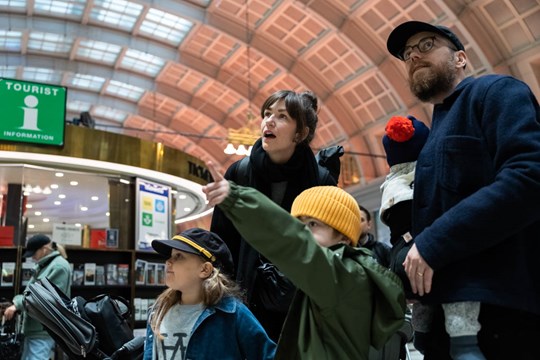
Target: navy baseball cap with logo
(399,36)
(200,242)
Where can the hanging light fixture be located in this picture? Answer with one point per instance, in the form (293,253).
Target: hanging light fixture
(240,141)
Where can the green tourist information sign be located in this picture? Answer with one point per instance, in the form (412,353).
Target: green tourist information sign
(32,112)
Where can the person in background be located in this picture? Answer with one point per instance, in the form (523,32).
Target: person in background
(345,300)
(200,315)
(380,250)
(281,166)
(51,263)
(476,203)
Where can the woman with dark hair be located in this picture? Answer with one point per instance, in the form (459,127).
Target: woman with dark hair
(281,166)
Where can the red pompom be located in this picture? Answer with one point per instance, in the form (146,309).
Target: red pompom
(399,128)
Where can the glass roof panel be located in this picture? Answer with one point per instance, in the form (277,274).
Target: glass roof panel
(203,3)
(41,75)
(116,13)
(166,26)
(109,113)
(87,82)
(49,42)
(13,4)
(77,106)
(141,62)
(71,8)
(98,51)
(124,90)
(10,40)
(8,71)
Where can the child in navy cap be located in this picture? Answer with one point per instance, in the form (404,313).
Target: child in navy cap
(200,315)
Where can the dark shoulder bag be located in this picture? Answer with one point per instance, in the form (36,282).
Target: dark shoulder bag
(273,289)
(110,315)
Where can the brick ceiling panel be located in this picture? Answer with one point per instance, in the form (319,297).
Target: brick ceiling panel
(295,27)
(191,121)
(284,81)
(216,95)
(336,60)
(209,45)
(223,57)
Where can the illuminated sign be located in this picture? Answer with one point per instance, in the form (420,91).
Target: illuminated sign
(32,112)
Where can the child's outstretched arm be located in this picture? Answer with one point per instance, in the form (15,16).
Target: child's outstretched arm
(218,190)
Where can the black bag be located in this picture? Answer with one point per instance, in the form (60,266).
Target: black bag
(109,315)
(69,323)
(11,339)
(274,290)
(60,317)
(329,158)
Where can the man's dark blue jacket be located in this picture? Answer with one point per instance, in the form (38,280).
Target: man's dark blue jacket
(476,212)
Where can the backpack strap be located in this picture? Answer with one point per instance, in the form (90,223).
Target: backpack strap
(329,159)
(242,172)
(324,174)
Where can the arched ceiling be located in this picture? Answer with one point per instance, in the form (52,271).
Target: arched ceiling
(183,72)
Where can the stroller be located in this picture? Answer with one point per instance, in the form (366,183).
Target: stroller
(69,323)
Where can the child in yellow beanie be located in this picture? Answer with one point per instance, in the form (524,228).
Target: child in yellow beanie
(345,300)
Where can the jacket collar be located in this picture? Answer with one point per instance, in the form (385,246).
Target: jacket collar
(227,304)
(348,251)
(44,261)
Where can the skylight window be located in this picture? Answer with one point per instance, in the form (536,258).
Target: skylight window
(77,106)
(41,75)
(98,51)
(124,90)
(116,13)
(86,82)
(109,113)
(13,4)
(10,40)
(141,62)
(49,42)
(71,8)
(203,3)
(169,27)
(8,71)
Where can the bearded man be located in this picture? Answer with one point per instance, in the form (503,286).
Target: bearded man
(476,207)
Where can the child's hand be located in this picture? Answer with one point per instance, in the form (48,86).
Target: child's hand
(218,190)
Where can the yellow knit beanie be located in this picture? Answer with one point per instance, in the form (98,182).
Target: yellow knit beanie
(331,205)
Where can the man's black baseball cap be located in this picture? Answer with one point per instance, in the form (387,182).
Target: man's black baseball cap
(399,36)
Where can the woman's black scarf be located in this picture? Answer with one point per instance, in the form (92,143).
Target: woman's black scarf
(300,172)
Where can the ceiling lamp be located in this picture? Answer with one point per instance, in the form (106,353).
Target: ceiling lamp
(240,141)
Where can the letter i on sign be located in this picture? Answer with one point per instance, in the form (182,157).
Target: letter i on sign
(30,113)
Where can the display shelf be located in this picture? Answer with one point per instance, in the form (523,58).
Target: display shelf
(147,283)
(109,260)
(79,256)
(9,281)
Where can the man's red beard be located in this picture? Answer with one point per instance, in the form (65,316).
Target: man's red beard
(427,80)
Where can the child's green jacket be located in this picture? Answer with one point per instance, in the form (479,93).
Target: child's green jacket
(345,301)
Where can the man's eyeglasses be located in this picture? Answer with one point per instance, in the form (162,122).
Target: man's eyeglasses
(424,46)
